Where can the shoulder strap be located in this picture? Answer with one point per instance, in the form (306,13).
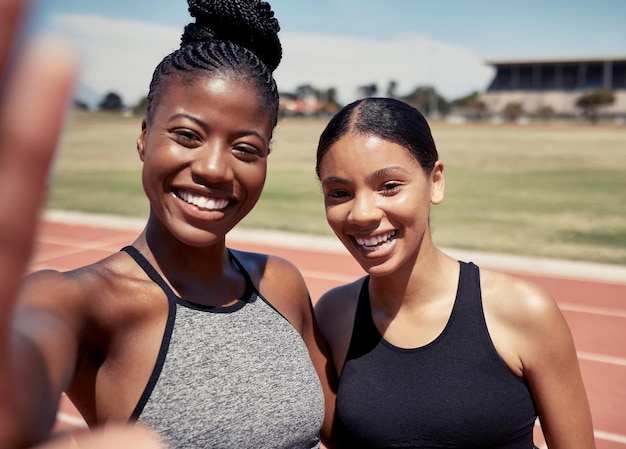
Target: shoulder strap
(250,287)
(365,335)
(169,327)
(149,269)
(467,321)
(468,294)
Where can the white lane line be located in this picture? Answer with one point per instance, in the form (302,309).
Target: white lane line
(608,436)
(611,360)
(606,273)
(593,310)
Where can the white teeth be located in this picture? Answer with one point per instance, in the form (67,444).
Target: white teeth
(201,202)
(374,243)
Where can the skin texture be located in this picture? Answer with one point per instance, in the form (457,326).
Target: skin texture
(375,189)
(94,332)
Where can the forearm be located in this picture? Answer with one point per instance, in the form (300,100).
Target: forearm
(38,375)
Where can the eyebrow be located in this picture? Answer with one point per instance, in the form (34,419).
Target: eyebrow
(334,179)
(188,117)
(373,176)
(387,170)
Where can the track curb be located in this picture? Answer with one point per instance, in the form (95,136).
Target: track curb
(521,264)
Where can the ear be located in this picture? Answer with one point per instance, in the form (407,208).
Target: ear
(141,140)
(438,184)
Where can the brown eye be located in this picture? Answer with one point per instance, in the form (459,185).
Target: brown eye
(389,188)
(186,138)
(247,153)
(337,195)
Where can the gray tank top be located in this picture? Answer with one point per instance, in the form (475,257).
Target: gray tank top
(230,377)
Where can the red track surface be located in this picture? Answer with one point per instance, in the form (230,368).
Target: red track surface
(594,309)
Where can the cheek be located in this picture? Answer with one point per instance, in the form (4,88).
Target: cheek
(153,168)
(415,198)
(256,189)
(150,180)
(254,179)
(336,216)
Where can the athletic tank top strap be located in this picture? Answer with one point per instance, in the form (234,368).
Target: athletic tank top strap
(250,287)
(365,335)
(149,270)
(468,305)
(158,279)
(467,320)
(169,327)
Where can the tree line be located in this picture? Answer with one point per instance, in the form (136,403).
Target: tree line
(308,100)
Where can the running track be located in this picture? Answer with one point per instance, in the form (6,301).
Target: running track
(592,297)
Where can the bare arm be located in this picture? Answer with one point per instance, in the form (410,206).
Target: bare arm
(44,345)
(552,371)
(534,339)
(34,94)
(335,312)
(320,355)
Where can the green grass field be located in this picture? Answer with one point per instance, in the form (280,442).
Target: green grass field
(555,191)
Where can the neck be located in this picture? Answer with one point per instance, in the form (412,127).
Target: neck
(191,271)
(172,254)
(420,282)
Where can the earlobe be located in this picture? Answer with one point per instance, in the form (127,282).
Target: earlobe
(438,185)
(141,140)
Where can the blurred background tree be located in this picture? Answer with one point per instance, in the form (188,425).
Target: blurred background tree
(111,102)
(592,101)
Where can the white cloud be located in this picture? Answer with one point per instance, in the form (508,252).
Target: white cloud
(411,60)
(120,54)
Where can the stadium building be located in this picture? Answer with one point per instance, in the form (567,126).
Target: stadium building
(552,87)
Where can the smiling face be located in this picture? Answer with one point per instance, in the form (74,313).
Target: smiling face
(377,199)
(204,151)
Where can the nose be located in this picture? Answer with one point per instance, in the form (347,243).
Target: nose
(364,211)
(211,165)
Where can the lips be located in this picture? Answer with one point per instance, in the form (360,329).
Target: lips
(202,202)
(375,243)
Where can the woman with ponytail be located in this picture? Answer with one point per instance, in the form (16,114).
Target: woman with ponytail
(207,346)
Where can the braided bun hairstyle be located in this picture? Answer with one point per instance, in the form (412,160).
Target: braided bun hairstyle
(237,39)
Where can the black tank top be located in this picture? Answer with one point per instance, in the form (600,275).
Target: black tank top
(455,392)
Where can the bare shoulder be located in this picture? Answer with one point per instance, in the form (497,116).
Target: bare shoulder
(524,322)
(52,289)
(272,274)
(75,295)
(334,313)
(55,315)
(280,283)
(516,300)
(339,301)
(532,336)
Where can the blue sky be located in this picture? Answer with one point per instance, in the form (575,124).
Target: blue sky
(347,43)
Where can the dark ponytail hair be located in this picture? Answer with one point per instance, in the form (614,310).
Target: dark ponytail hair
(237,39)
(387,118)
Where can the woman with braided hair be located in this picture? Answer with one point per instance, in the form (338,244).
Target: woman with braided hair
(208,346)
